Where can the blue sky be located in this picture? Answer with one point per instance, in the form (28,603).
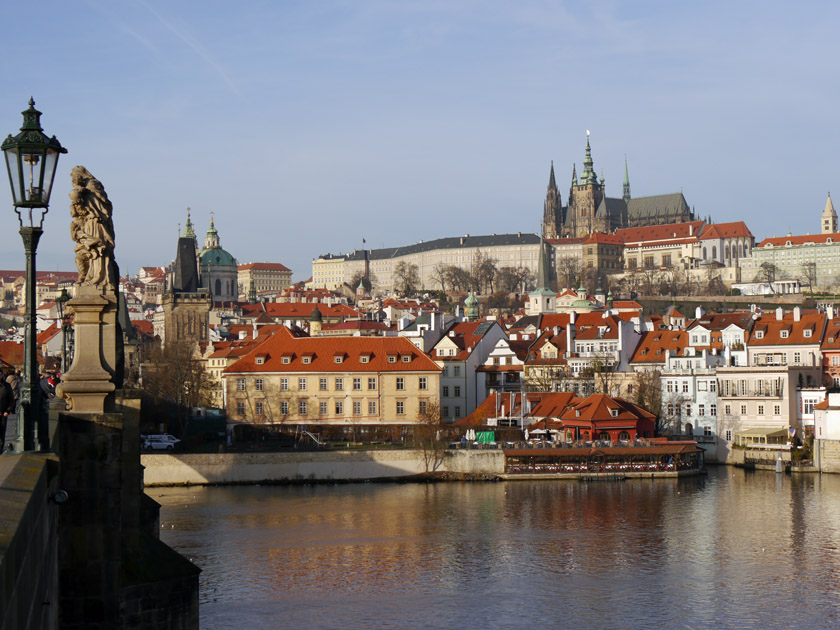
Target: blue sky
(306,126)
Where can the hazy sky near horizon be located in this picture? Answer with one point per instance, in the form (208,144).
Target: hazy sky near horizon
(307,126)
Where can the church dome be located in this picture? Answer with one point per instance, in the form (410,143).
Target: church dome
(216,256)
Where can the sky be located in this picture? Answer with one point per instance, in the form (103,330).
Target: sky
(305,127)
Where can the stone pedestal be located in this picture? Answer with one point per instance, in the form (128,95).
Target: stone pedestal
(88,386)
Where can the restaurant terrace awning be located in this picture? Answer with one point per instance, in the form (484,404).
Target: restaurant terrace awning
(762,435)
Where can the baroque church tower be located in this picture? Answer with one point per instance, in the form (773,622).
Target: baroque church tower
(552,225)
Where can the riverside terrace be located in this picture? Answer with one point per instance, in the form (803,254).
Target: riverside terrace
(657,457)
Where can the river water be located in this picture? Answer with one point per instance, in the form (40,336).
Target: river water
(734,549)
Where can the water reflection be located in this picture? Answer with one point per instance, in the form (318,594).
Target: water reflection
(736,549)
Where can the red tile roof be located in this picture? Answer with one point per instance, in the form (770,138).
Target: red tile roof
(654,346)
(263,267)
(725,230)
(660,232)
(779,241)
(323,350)
(768,330)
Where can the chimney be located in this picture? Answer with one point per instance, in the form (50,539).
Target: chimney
(698,312)
(829,311)
(690,229)
(797,313)
(780,314)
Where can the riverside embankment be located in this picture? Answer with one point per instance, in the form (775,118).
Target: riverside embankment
(234,468)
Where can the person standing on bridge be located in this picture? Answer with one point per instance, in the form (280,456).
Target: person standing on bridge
(7,406)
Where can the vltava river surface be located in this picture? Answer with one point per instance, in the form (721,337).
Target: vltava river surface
(731,550)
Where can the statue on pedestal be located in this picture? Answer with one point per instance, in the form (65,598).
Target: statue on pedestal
(92,228)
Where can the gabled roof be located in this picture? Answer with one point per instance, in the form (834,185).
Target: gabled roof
(465,335)
(323,350)
(654,346)
(45,335)
(831,339)
(816,239)
(725,230)
(721,321)
(656,205)
(599,407)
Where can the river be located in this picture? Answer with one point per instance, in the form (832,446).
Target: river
(733,549)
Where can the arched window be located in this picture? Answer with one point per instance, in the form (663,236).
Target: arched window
(726,252)
(714,251)
(705,256)
(624,435)
(603,435)
(689,430)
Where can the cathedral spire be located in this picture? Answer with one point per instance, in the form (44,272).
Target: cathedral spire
(626,193)
(589,176)
(552,209)
(574,175)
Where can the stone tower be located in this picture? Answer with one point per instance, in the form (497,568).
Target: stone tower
(552,209)
(829,218)
(585,198)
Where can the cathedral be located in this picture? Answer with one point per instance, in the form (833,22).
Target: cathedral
(590,210)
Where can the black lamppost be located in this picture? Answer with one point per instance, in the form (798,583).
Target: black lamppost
(31,158)
(60,301)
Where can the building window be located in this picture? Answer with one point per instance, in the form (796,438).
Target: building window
(400,383)
(357,384)
(422,382)
(364,358)
(728,435)
(284,408)
(777,410)
(423,407)
(457,391)
(712,386)
(707,431)
(670,409)
(339,383)
(445,390)
(322,384)
(338,358)
(445,413)
(322,408)
(339,407)
(286,360)
(284,384)
(727,410)
(302,384)
(258,384)
(784,334)
(457,411)
(372,407)
(406,358)
(685,387)
(835,361)
(400,408)
(240,408)
(392,359)
(687,411)
(371,382)
(307,360)
(456,370)
(357,407)
(701,410)
(258,408)
(240,384)
(712,410)
(761,410)
(743,410)
(260,360)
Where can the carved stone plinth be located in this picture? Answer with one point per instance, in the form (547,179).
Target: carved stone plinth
(87,385)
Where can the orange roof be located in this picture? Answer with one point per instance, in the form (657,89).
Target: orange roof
(654,345)
(297,310)
(725,230)
(359,354)
(769,331)
(599,407)
(831,339)
(719,321)
(600,237)
(44,336)
(779,241)
(660,232)
(464,337)
(143,326)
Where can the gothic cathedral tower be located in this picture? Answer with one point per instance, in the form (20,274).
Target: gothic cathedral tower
(552,224)
(585,198)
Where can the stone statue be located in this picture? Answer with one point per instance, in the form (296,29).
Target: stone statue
(92,228)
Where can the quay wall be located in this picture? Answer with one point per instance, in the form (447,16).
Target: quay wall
(827,455)
(224,468)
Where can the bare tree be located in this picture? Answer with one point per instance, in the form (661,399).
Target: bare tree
(513,279)
(648,394)
(359,277)
(406,278)
(767,272)
(429,432)
(440,276)
(483,272)
(458,278)
(809,272)
(569,271)
(174,378)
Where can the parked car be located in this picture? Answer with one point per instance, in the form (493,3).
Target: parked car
(159,442)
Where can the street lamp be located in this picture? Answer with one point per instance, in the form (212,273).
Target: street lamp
(60,301)
(31,159)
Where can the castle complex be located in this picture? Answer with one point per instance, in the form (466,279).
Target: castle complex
(590,210)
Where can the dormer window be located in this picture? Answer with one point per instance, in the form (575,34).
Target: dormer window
(338,358)
(807,332)
(307,360)
(260,360)
(406,358)
(392,358)
(759,334)
(784,334)
(614,413)
(365,358)
(287,360)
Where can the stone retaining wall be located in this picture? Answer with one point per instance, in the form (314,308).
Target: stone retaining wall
(223,468)
(827,455)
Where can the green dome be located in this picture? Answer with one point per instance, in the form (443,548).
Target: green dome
(471,300)
(216,257)
(581,304)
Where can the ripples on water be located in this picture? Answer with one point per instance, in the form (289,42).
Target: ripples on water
(733,550)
